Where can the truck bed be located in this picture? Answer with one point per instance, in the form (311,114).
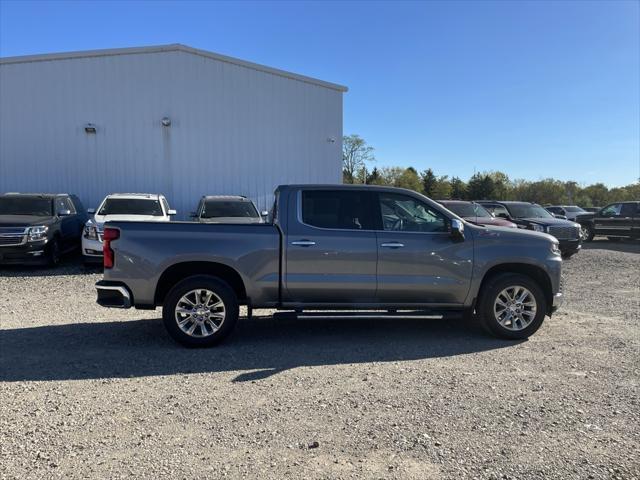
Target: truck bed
(145,251)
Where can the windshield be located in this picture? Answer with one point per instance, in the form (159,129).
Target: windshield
(468,209)
(528,211)
(131,206)
(41,207)
(228,208)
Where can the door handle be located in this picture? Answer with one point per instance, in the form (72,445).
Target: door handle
(392,245)
(303,243)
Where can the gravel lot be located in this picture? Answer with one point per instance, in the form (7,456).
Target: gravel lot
(93,392)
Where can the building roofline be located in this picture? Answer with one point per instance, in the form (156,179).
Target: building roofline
(174,47)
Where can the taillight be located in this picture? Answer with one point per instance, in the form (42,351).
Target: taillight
(108,235)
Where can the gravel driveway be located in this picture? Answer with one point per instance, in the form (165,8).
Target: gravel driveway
(92,392)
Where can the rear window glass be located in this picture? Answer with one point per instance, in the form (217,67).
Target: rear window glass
(346,210)
(131,206)
(228,208)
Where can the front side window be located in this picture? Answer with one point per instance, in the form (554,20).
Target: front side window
(41,207)
(611,210)
(131,206)
(228,209)
(402,213)
(346,210)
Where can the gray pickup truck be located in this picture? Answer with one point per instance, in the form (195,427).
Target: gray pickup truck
(333,248)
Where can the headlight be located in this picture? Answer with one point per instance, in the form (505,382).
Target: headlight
(91,232)
(555,249)
(38,233)
(537,228)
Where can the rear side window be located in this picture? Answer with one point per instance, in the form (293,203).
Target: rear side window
(345,210)
(628,209)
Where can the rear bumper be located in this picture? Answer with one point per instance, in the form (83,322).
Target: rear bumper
(113,294)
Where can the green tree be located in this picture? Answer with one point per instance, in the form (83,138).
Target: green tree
(429,181)
(458,189)
(409,179)
(356,153)
(481,187)
(442,188)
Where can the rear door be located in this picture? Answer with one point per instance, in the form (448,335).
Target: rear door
(331,251)
(418,261)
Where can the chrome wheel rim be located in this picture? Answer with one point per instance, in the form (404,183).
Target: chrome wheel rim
(200,313)
(515,308)
(584,233)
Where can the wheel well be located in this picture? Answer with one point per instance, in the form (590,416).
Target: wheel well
(535,273)
(180,271)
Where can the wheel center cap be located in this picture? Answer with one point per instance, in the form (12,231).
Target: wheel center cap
(202,311)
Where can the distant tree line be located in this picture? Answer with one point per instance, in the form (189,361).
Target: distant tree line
(492,185)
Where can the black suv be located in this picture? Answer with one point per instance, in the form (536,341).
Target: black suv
(38,228)
(616,221)
(533,217)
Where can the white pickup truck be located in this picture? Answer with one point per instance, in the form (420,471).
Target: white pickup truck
(135,207)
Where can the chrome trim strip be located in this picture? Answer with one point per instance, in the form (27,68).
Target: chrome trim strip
(123,291)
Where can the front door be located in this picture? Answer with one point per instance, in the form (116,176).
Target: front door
(418,260)
(614,220)
(330,248)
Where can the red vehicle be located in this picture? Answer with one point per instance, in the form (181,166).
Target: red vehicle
(476,213)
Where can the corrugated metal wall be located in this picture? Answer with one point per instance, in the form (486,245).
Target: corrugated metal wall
(234,130)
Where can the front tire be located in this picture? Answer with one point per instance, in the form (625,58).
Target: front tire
(587,233)
(512,306)
(200,311)
(53,253)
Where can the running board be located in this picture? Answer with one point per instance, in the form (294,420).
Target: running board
(425,315)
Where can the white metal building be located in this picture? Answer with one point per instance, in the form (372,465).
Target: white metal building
(168,119)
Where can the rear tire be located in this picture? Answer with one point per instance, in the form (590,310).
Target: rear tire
(489,298)
(200,311)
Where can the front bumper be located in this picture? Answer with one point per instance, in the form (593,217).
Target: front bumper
(558,300)
(91,249)
(113,294)
(27,253)
(569,245)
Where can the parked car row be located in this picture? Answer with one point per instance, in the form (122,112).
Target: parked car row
(40,228)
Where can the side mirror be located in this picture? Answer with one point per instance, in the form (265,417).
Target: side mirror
(92,211)
(171,212)
(457,230)
(264,213)
(563,217)
(64,213)
(502,215)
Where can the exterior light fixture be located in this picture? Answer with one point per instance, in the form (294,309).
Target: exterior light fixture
(90,128)
(166,122)
(331,140)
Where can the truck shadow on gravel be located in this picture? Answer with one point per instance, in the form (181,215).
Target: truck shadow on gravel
(260,347)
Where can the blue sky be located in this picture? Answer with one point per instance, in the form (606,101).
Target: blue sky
(534,89)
